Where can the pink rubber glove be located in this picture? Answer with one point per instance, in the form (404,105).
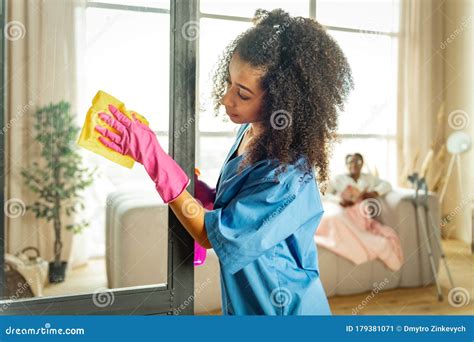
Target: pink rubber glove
(138,141)
(206,196)
(203,192)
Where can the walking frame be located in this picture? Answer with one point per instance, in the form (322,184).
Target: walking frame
(426,224)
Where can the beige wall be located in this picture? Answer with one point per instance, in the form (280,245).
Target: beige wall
(458,56)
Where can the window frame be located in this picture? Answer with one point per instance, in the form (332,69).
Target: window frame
(3,96)
(156,299)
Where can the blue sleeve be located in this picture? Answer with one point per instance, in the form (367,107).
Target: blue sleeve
(264,213)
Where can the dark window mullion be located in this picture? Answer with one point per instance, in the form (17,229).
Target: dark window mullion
(2,143)
(183,52)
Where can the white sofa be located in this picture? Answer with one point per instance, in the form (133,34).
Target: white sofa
(137,248)
(137,233)
(341,277)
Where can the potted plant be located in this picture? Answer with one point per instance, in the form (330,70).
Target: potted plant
(58,178)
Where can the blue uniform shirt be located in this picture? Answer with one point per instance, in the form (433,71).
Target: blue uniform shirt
(262,231)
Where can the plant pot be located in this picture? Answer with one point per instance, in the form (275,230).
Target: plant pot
(57,273)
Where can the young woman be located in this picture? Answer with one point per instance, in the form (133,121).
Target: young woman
(283,81)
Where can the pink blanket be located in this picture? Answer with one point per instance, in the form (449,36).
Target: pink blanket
(351,233)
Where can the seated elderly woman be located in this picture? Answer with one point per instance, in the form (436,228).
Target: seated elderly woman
(354,186)
(348,227)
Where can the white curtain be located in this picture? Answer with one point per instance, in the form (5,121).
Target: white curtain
(434,81)
(41,70)
(458,53)
(420,82)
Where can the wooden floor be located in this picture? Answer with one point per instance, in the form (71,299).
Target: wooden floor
(419,301)
(408,301)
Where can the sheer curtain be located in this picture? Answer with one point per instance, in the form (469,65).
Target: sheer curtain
(41,69)
(420,83)
(435,98)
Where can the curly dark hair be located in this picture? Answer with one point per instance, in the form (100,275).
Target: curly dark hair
(306,80)
(358,155)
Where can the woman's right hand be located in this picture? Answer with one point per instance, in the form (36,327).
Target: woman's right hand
(134,138)
(138,141)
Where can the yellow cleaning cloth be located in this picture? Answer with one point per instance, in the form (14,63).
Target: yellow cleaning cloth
(89,137)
